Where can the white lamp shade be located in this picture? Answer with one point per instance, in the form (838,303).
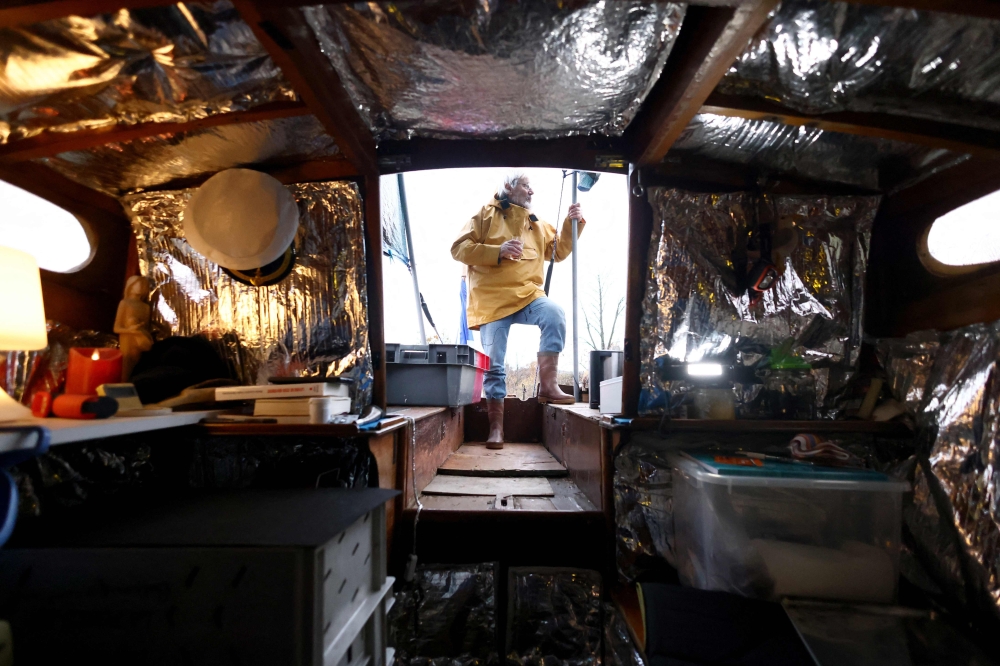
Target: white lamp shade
(22,314)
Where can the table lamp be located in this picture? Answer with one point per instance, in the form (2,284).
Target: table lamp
(22,316)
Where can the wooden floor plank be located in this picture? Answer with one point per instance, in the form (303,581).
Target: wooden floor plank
(505,486)
(513,460)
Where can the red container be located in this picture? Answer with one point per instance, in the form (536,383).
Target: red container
(482,365)
(89,367)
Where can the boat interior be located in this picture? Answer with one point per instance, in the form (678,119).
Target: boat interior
(819,143)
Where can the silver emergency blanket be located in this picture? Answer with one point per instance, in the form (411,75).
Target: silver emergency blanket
(693,309)
(907,362)
(312,323)
(643,494)
(497,68)
(446,616)
(819,57)
(619,648)
(554,617)
(153,161)
(161,64)
(811,153)
(950,383)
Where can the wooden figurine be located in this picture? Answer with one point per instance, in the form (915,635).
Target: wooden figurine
(132,323)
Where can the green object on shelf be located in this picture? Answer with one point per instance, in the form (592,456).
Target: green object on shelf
(783,358)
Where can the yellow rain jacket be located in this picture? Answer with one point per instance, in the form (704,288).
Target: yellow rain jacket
(498,288)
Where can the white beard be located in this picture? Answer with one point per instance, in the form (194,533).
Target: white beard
(524,203)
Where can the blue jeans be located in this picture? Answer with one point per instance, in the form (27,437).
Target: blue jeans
(542,312)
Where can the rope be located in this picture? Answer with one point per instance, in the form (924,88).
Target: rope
(411,566)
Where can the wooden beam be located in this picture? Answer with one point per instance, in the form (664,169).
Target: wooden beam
(584,153)
(970,302)
(26,12)
(946,190)
(304,172)
(711,38)
(640,229)
(902,294)
(294,49)
(373,267)
(60,190)
(702,174)
(54,142)
(958,138)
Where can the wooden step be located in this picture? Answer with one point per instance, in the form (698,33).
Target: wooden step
(492,487)
(513,460)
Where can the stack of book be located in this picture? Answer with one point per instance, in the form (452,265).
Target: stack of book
(289,403)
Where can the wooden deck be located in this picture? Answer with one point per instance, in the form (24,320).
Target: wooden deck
(513,460)
(518,477)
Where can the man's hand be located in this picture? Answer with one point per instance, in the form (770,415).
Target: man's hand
(511,249)
(575,211)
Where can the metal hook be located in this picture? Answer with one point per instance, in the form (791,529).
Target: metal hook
(638,190)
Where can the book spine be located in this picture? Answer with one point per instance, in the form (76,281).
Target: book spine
(278,391)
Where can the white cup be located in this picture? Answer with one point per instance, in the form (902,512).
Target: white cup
(321,410)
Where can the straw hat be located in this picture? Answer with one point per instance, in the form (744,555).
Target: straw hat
(245,221)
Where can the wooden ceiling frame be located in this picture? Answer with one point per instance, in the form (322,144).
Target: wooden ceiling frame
(919,131)
(289,40)
(710,40)
(51,143)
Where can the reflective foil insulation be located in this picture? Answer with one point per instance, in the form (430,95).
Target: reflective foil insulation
(951,382)
(820,57)
(810,153)
(694,309)
(446,617)
(134,466)
(619,648)
(497,68)
(160,64)
(554,617)
(312,323)
(118,168)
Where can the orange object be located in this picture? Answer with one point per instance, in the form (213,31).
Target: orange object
(89,367)
(738,460)
(41,404)
(75,406)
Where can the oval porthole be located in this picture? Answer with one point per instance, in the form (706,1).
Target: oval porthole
(55,237)
(965,239)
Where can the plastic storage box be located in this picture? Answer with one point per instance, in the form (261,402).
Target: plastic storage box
(777,529)
(611,396)
(434,375)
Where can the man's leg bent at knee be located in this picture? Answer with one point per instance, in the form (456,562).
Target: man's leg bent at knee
(494,336)
(550,318)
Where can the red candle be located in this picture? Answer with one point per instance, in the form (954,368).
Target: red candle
(89,367)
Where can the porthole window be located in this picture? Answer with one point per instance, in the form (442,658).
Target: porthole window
(964,239)
(54,236)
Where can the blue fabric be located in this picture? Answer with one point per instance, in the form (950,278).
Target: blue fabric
(464,334)
(542,312)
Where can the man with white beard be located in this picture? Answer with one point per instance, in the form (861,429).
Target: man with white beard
(505,247)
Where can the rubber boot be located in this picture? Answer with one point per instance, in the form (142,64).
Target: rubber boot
(495,410)
(548,389)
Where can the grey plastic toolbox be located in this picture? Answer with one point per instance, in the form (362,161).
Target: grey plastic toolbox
(433,375)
